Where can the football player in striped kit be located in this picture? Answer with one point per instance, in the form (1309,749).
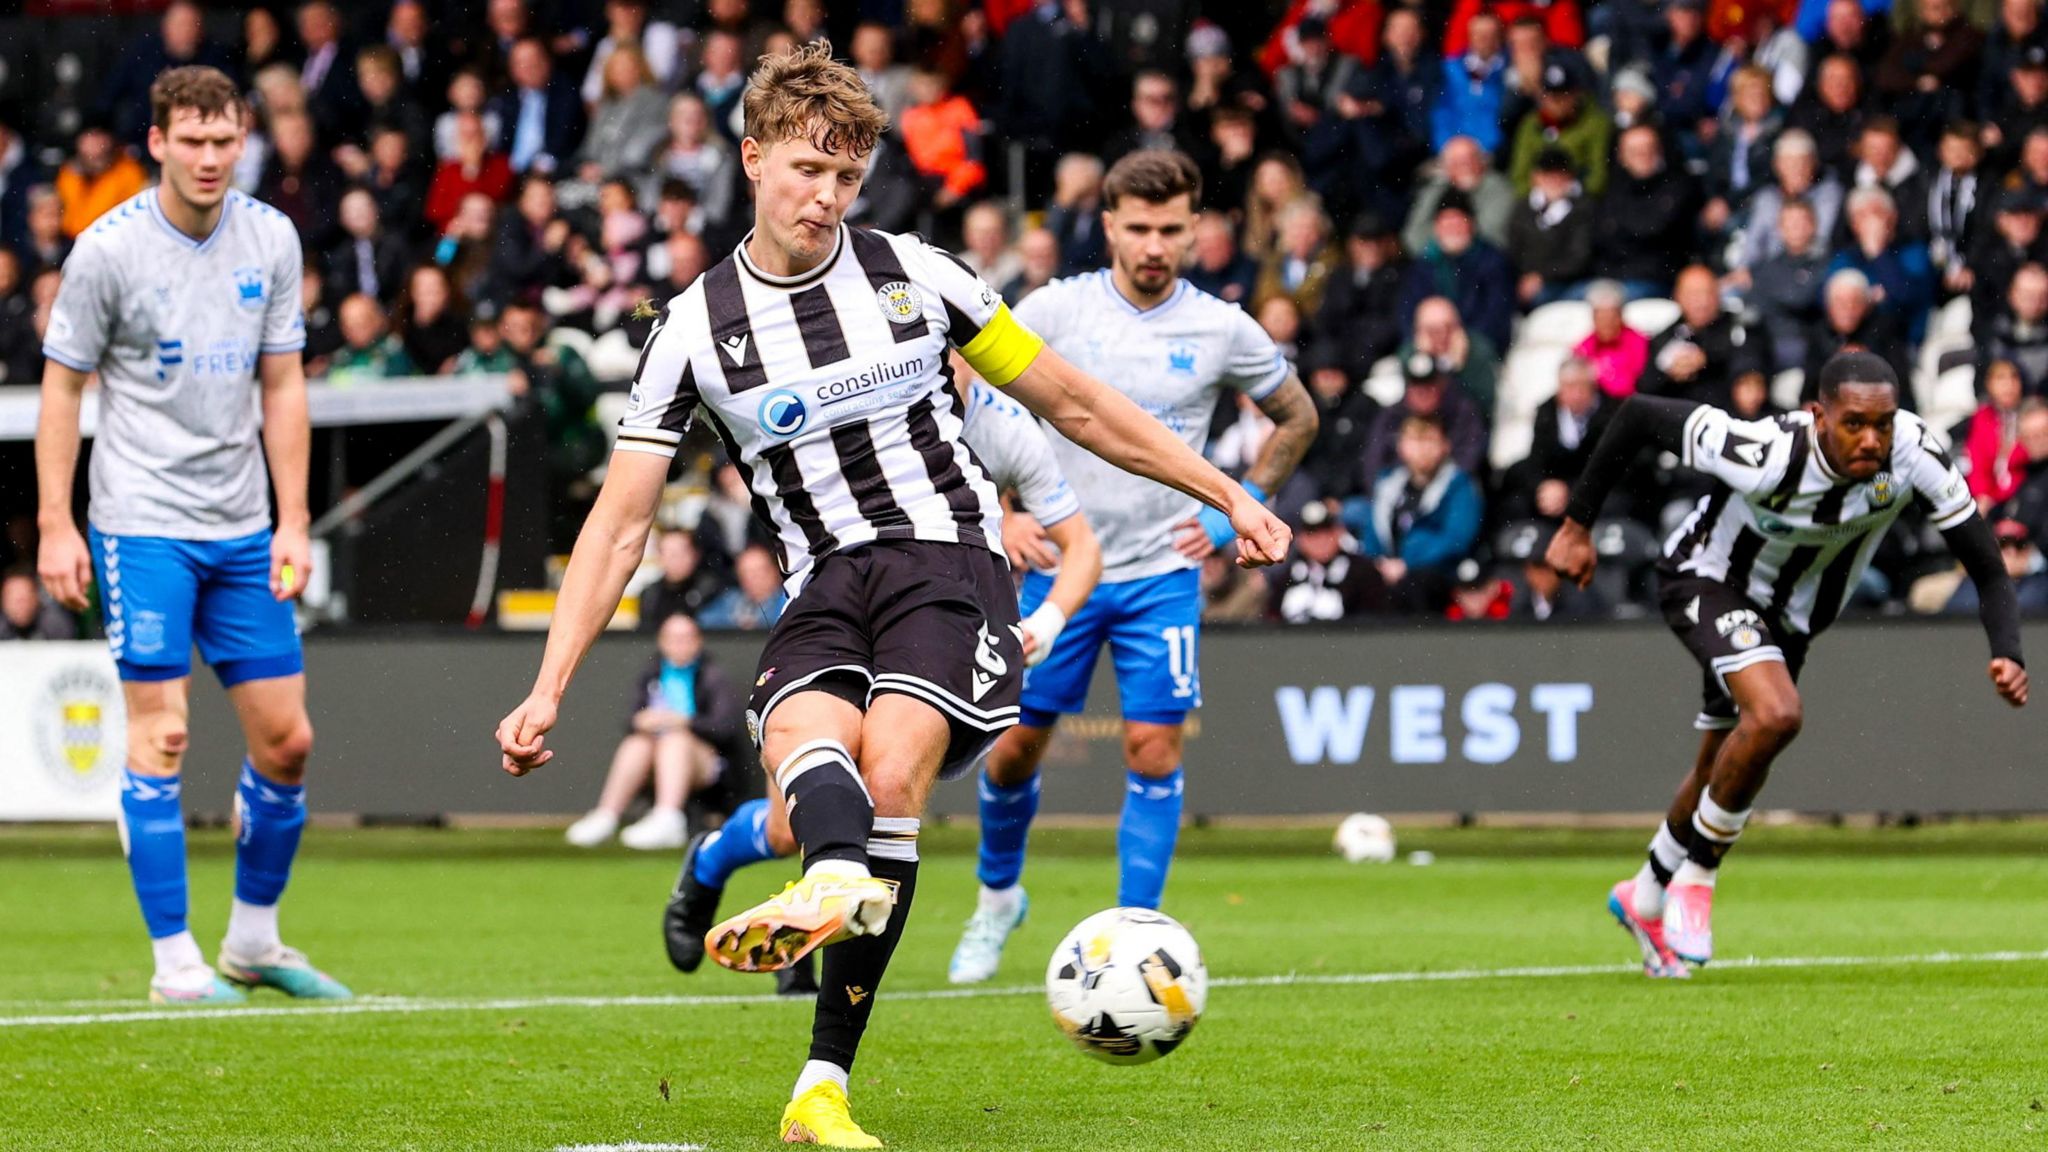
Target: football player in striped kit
(1760,568)
(818,355)
(1009,443)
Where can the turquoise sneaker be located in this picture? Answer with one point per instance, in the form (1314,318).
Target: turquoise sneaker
(285,969)
(194,987)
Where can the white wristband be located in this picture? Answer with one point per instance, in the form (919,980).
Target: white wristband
(1044,625)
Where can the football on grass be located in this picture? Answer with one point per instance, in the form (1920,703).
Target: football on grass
(1363,838)
(1127,985)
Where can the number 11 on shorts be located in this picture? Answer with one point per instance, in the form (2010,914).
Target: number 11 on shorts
(1180,658)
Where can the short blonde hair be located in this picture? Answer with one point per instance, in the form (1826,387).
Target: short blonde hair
(807,94)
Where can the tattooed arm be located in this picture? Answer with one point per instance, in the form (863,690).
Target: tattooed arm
(1295,420)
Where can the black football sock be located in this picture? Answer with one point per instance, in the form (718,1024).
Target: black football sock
(853,968)
(830,813)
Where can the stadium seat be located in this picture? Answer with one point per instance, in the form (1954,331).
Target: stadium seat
(1650,316)
(612,357)
(1527,379)
(1945,374)
(1385,384)
(1785,388)
(1562,324)
(574,339)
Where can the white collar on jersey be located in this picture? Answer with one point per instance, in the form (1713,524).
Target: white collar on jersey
(801,278)
(1107,279)
(156,211)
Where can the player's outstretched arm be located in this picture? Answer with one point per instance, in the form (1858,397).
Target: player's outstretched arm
(1998,604)
(62,559)
(288,449)
(1107,423)
(1642,422)
(608,549)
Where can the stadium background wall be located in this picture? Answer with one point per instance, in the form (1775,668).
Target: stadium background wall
(1900,718)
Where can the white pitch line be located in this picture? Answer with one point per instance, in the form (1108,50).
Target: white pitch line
(372,1005)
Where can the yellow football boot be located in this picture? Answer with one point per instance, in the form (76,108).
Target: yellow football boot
(820,1116)
(822,908)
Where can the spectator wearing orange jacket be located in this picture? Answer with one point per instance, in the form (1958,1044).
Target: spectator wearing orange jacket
(97,178)
(941,131)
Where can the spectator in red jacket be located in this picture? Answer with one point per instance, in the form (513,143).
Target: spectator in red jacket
(1562,21)
(1352,26)
(1992,454)
(475,169)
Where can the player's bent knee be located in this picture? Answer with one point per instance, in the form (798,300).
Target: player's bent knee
(1777,717)
(1153,752)
(1015,756)
(163,738)
(781,840)
(283,756)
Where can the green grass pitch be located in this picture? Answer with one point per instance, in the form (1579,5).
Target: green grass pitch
(1899,1000)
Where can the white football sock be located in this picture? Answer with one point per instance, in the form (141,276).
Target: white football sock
(1715,822)
(1002,901)
(1665,848)
(1648,897)
(816,1072)
(1691,873)
(846,869)
(252,930)
(176,952)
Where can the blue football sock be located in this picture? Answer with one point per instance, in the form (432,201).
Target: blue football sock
(273,815)
(1006,815)
(1145,837)
(153,828)
(743,841)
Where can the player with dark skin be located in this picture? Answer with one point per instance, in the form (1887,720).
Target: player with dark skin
(1822,484)
(1854,433)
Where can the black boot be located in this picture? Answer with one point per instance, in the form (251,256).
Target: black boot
(692,909)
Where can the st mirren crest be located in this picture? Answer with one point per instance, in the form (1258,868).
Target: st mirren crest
(901,303)
(249,288)
(1883,489)
(80,728)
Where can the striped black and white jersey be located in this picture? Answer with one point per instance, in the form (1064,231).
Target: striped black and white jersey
(1787,531)
(832,395)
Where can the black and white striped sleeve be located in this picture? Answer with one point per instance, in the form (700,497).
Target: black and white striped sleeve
(1932,473)
(1749,456)
(664,397)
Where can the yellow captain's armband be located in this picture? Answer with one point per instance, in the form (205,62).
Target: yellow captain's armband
(1004,349)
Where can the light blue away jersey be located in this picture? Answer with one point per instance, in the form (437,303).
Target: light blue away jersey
(1012,446)
(174,327)
(1174,360)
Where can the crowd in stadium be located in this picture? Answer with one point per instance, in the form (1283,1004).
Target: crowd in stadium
(1390,191)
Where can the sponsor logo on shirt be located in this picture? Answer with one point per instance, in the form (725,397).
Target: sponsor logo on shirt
(782,413)
(1180,358)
